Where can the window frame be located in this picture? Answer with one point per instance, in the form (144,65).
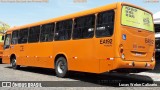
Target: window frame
(27,35)
(70,36)
(53,32)
(113,23)
(14,38)
(34,34)
(8,46)
(85,26)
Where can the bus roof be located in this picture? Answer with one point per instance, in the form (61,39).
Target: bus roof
(74,15)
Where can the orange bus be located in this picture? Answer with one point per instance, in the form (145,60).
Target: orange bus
(103,39)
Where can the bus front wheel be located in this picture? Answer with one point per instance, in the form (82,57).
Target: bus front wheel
(61,67)
(14,64)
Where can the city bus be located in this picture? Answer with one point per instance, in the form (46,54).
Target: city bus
(1,46)
(103,39)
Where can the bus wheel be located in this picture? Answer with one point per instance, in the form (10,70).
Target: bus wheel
(61,67)
(13,63)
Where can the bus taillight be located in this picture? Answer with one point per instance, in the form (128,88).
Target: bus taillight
(121,51)
(121,48)
(123,56)
(153,57)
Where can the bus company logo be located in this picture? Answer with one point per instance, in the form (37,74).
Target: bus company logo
(6,84)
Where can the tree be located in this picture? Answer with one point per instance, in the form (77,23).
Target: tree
(3,27)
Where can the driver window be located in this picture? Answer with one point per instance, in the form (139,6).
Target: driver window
(7,41)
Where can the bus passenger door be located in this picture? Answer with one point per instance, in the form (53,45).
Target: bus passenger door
(6,52)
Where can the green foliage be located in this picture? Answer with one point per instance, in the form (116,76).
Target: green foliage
(4,27)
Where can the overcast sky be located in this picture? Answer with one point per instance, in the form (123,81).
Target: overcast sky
(16,14)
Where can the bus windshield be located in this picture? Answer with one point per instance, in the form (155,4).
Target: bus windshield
(137,18)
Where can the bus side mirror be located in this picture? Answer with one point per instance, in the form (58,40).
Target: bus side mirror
(3,37)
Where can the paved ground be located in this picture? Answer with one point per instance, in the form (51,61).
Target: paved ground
(40,74)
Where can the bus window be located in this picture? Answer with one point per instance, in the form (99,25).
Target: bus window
(63,30)
(7,41)
(84,27)
(47,32)
(34,34)
(105,24)
(137,18)
(14,37)
(23,36)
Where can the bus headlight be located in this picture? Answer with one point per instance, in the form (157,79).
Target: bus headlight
(123,56)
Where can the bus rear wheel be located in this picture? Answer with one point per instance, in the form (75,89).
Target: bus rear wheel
(14,64)
(61,67)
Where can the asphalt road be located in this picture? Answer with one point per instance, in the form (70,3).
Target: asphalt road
(85,81)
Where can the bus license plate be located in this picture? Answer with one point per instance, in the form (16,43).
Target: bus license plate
(138,54)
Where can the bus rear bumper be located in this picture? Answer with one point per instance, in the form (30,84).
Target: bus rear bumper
(135,64)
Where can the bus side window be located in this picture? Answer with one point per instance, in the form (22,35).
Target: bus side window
(34,34)
(47,32)
(7,41)
(84,27)
(105,24)
(14,37)
(63,30)
(23,36)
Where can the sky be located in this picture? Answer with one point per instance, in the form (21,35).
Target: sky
(20,13)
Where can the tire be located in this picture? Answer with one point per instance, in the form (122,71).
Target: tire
(61,67)
(13,64)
